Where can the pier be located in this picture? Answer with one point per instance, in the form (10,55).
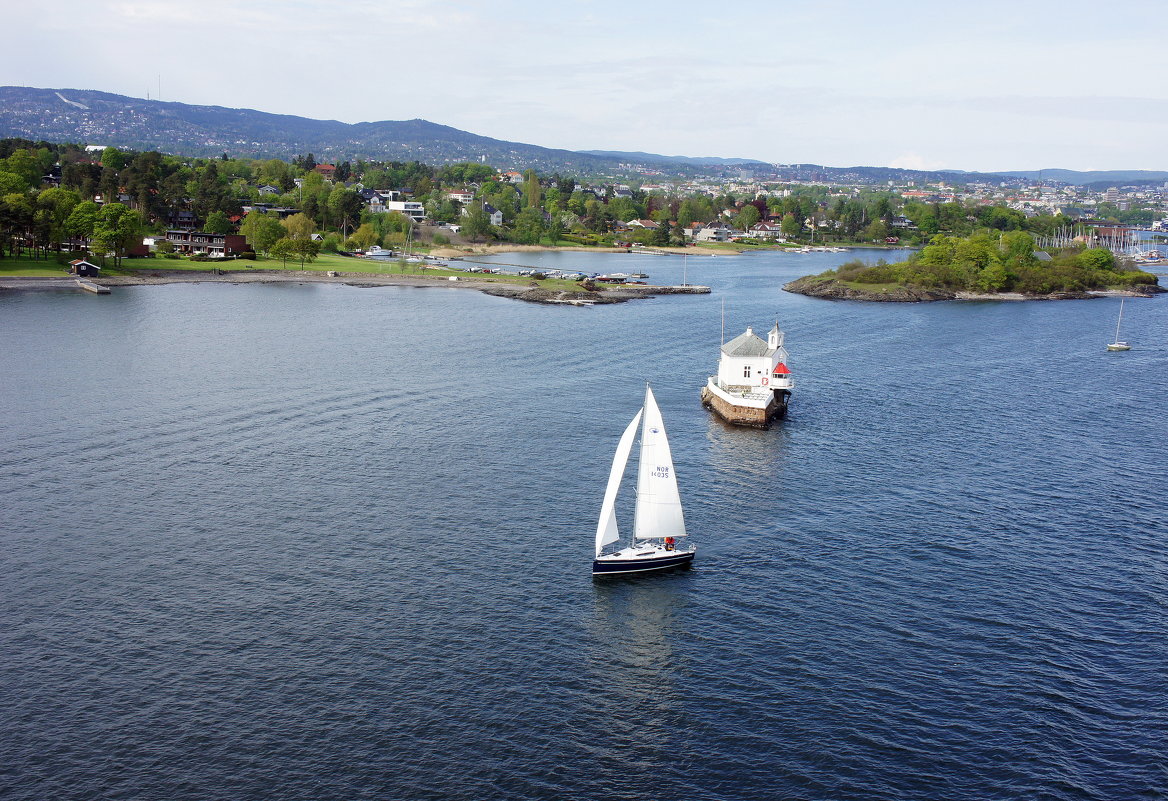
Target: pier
(89,286)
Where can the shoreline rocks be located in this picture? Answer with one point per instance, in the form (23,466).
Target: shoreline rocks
(832,289)
(530,293)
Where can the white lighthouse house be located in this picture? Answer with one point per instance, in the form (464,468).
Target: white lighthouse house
(754,382)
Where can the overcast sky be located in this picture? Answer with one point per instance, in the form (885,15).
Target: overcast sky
(987,85)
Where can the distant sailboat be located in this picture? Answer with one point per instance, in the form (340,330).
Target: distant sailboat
(1119,344)
(659,521)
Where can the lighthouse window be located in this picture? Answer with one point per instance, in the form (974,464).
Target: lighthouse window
(746,372)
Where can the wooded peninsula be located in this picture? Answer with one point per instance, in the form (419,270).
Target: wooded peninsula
(986,263)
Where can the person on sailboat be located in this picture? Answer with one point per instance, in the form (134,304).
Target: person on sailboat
(669,543)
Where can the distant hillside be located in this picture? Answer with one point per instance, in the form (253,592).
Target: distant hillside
(1110,177)
(89,117)
(654,158)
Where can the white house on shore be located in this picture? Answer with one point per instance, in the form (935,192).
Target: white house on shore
(753,383)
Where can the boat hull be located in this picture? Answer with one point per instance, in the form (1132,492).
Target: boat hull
(663,561)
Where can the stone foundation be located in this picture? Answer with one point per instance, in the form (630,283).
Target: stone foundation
(746,415)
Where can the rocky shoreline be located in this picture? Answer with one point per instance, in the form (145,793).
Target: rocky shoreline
(531,293)
(831,289)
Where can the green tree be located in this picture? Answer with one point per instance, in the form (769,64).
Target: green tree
(277,173)
(217,223)
(877,230)
(476,224)
(112,159)
(116,229)
(25,164)
(344,207)
(528,228)
(790,226)
(1018,249)
(283,249)
(365,237)
(578,203)
(531,190)
(16,218)
(749,216)
(11,183)
(1096,259)
(305,250)
(56,204)
(663,233)
(299,226)
(261,230)
(555,228)
(80,223)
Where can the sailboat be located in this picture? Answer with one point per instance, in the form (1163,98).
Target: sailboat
(1118,344)
(658,521)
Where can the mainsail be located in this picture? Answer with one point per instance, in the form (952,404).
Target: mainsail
(658,502)
(606,531)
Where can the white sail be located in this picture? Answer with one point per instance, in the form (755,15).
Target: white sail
(606,531)
(658,502)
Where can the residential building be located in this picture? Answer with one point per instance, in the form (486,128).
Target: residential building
(495,216)
(202,242)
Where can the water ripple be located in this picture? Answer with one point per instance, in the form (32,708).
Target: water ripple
(336,547)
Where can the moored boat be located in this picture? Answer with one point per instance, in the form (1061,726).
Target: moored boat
(1119,344)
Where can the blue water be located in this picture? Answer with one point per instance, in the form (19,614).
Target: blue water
(320,542)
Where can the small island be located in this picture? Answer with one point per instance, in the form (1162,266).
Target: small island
(982,266)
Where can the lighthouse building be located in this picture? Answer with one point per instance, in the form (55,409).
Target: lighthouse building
(753,384)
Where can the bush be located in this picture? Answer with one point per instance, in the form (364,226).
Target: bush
(1137,277)
(441,239)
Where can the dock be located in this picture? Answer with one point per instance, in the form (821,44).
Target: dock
(651,289)
(89,286)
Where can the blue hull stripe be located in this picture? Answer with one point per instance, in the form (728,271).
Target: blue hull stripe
(639,565)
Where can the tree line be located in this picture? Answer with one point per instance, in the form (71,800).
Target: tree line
(107,198)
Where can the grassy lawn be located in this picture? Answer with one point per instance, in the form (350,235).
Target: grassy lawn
(27,266)
(733,247)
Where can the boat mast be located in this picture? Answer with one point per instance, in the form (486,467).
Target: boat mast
(1120,320)
(640,458)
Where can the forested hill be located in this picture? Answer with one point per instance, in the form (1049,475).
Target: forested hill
(81,116)
(100,118)
(1094,178)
